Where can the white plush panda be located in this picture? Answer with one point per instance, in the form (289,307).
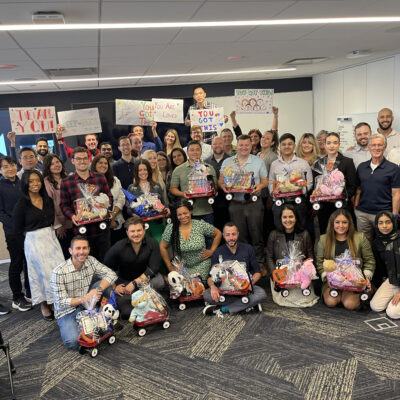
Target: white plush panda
(110,312)
(175,280)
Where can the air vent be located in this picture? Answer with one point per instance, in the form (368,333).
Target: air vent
(66,72)
(306,61)
(48,17)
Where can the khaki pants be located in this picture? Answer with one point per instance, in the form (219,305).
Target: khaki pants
(365,224)
(383,300)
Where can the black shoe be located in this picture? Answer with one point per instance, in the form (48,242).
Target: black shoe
(212,309)
(21,305)
(4,310)
(48,317)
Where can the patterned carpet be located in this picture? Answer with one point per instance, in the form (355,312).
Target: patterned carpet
(281,353)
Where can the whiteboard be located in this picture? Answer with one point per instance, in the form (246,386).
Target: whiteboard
(295,113)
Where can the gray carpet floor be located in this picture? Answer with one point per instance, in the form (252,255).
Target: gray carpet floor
(280,353)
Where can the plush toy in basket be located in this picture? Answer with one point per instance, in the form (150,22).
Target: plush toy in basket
(344,273)
(147,206)
(232,278)
(238,180)
(91,207)
(184,286)
(293,272)
(288,186)
(97,325)
(200,183)
(149,308)
(329,186)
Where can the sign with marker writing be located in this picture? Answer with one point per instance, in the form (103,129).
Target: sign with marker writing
(133,112)
(254,101)
(33,120)
(210,120)
(80,122)
(168,110)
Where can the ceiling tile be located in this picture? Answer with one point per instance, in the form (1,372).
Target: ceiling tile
(210,35)
(62,53)
(275,33)
(133,37)
(6,42)
(80,85)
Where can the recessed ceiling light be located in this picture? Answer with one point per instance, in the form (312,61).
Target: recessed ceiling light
(306,61)
(200,24)
(117,78)
(7,66)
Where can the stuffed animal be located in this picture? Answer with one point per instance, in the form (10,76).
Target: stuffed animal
(305,274)
(142,305)
(329,265)
(175,280)
(185,284)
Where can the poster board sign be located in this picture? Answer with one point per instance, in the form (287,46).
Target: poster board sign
(133,112)
(33,120)
(345,130)
(168,110)
(254,101)
(80,122)
(210,120)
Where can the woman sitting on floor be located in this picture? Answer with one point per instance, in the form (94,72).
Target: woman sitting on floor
(341,236)
(386,248)
(289,230)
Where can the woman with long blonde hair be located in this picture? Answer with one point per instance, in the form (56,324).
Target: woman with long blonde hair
(307,148)
(151,157)
(171,141)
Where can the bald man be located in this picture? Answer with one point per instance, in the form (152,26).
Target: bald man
(385,120)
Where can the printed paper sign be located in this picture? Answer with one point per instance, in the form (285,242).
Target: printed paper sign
(254,101)
(133,112)
(33,120)
(168,110)
(80,122)
(210,120)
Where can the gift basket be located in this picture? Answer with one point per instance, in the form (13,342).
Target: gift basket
(91,207)
(96,326)
(290,185)
(238,180)
(293,272)
(200,183)
(232,278)
(184,286)
(147,206)
(149,308)
(329,187)
(344,273)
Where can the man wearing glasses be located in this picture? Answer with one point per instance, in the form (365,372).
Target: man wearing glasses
(99,240)
(378,182)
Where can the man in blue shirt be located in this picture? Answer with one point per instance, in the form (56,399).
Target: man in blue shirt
(244,253)
(139,131)
(123,168)
(378,182)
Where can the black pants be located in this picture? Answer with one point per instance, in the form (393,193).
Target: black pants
(99,245)
(15,246)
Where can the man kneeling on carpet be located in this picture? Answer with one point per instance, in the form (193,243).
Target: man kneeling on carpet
(74,283)
(227,254)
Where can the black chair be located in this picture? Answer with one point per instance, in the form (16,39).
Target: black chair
(11,369)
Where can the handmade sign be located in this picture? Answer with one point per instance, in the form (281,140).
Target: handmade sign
(168,110)
(33,120)
(133,112)
(254,101)
(80,122)
(210,120)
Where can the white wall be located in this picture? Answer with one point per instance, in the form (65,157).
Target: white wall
(295,113)
(355,91)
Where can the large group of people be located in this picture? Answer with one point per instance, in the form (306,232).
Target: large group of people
(64,270)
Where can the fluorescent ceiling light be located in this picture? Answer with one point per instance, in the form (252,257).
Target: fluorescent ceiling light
(158,25)
(116,78)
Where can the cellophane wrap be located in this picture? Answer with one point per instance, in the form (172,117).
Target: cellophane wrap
(91,205)
(236,177)
(198,181)
(295,270)
(145,205)
(289,182)
(329,182)
(230,275)
(347,274)
(184,283)
(91,321)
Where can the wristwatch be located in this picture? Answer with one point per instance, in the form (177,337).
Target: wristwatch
(134,284)
(100,289)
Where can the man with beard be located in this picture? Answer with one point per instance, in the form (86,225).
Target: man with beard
(360,152)
(385,121)
(244,253)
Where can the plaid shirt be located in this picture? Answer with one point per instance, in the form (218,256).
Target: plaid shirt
(209,135)
(67,282)
(69,192)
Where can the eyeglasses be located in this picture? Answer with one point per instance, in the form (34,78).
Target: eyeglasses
(28,157)
(81,159)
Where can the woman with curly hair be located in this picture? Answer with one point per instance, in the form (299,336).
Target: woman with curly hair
(187,239)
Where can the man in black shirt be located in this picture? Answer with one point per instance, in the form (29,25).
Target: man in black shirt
(135,259)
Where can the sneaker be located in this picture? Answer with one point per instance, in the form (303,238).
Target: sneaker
(212,309)
(21,305)
(28,299)
(4,310)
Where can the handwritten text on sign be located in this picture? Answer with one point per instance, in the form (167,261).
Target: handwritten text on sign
(33,120)
(80,122)
(254,101)
(168,110)
(133,112)
(210,120)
